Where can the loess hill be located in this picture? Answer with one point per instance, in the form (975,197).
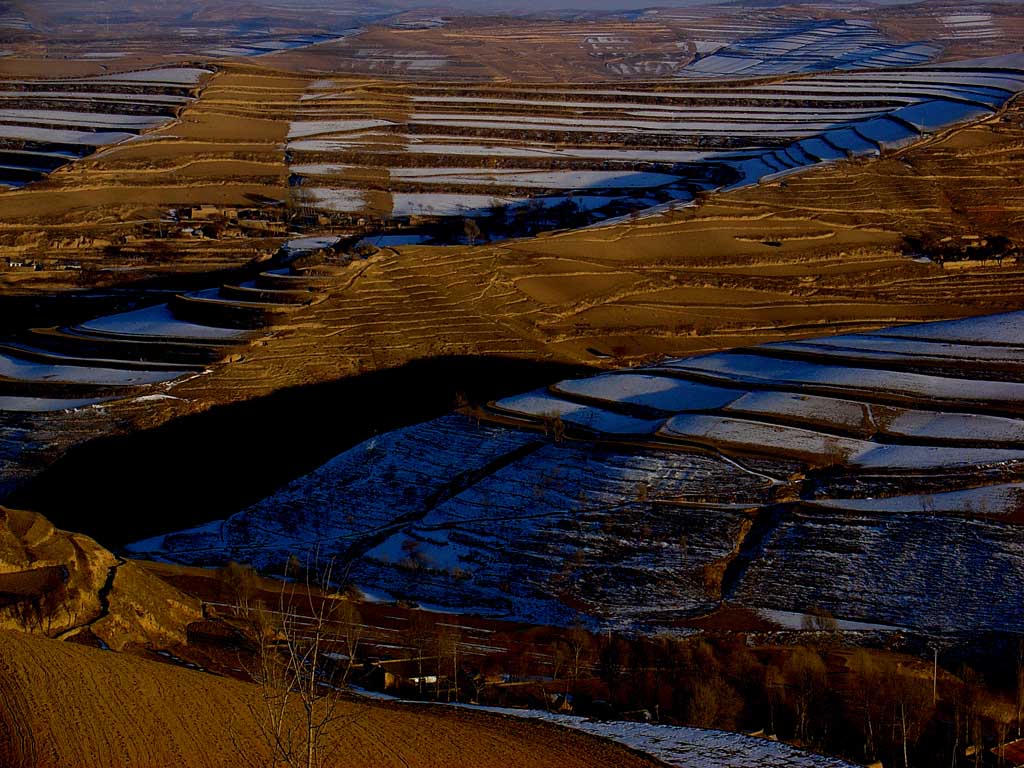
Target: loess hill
(199,325)
(824,248)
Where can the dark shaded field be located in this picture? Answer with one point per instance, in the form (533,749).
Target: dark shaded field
(206,466)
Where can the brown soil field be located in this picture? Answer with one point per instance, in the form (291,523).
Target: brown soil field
(65,704)
(59,66)
(696,279)
(924,21)
(483,49)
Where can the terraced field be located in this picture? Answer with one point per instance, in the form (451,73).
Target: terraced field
(545,155)
(810,46)
(851,473)
(962,30)
(764,263)
(714,27)
(778,259)
(713,41)
(47,124)
(237,242)
(132,353)
(14,26)
(58,32)
(125,213)
(360,150)
(689,42)
(252,45)
(953,29)
(467,49)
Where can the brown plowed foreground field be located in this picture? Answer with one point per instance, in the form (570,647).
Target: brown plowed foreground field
(63,704)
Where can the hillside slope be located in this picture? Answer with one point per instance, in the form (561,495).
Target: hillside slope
(854,473)
(767,263)
(60,584)
(64,704)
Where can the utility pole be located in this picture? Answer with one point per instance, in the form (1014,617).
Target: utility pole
(935,675)
(1020,684)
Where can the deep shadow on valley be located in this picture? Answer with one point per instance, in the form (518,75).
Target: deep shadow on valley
(206,466)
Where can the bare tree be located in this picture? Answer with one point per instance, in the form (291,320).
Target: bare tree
(579,642)
(913,708)
(350,633)
(554,426)
(419,638)
(805,680)
(301,670)
(715,703)
(238,585)
(871,681)
(821,621)
(775,690)
(613,662)
(1001,712)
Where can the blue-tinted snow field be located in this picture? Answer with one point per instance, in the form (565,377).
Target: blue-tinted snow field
(877,476)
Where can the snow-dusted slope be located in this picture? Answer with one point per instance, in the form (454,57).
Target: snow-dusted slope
(785,477)
(811,46)
(676,746)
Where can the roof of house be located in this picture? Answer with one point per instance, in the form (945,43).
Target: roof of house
(1012,752)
